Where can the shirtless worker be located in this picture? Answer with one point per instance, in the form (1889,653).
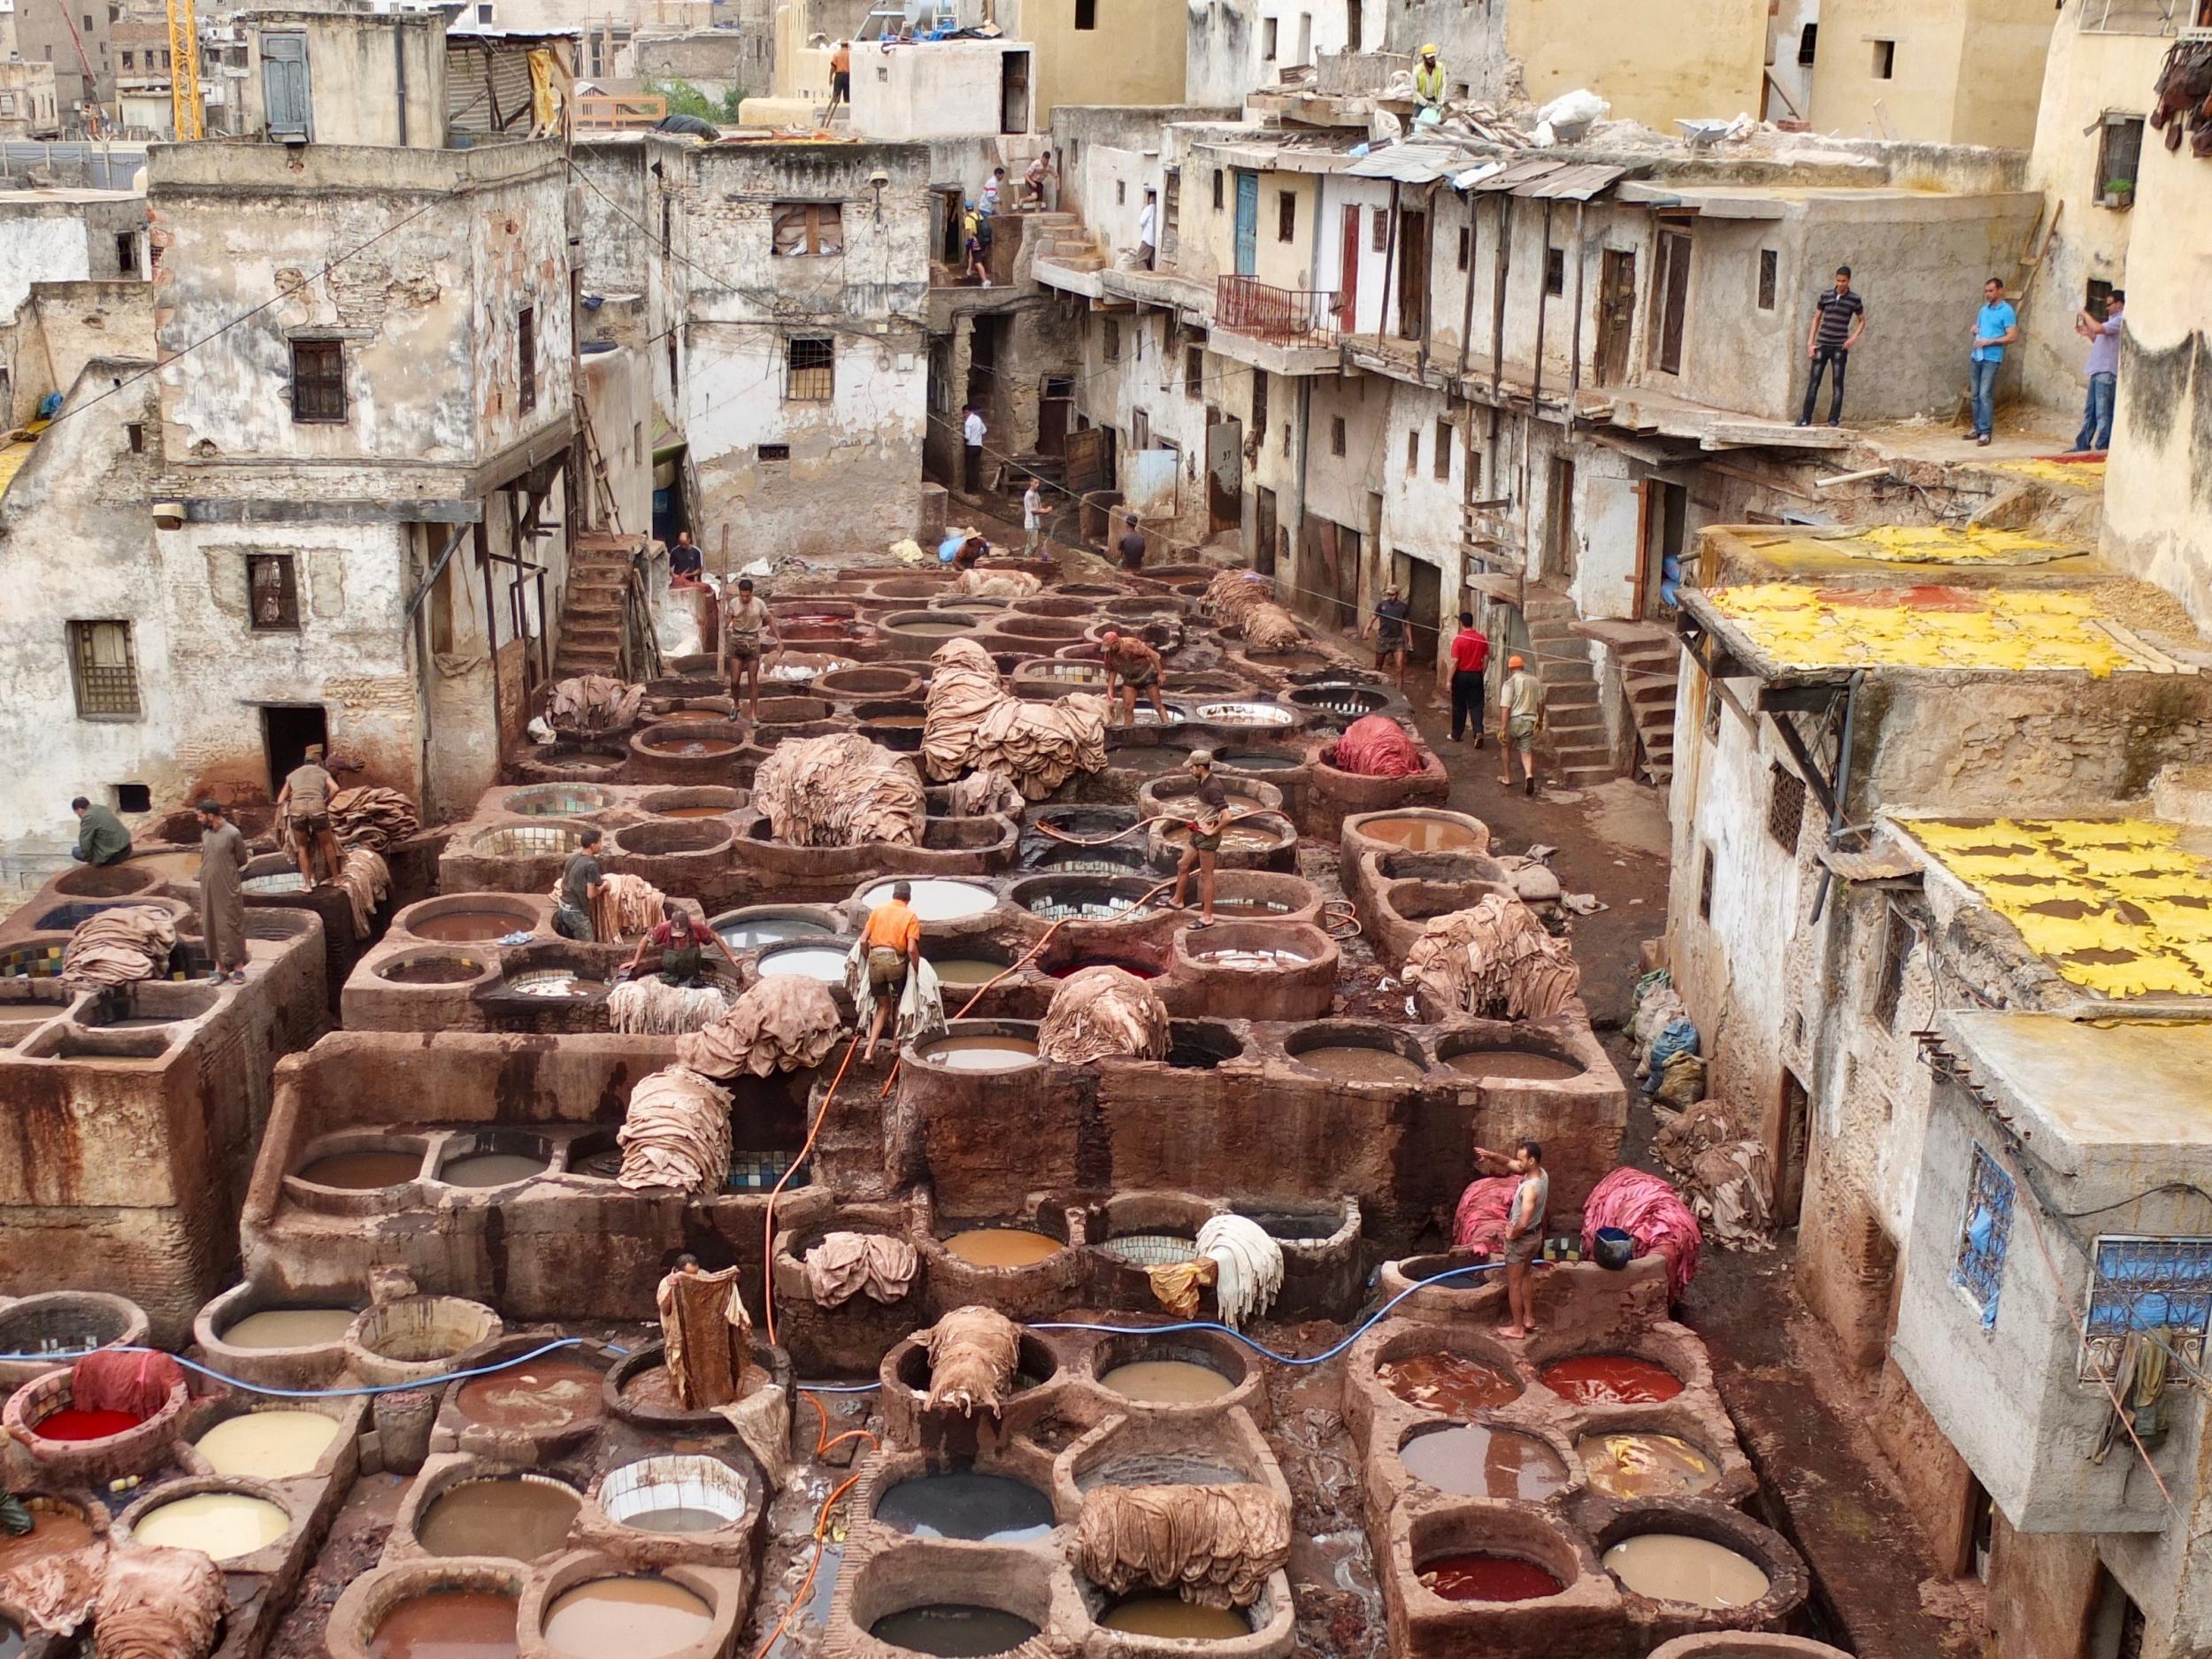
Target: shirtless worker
(580,884)
(306,801)
(895,945)
(1134,666)
(748,621)
(681,942)
(1523,1230)
(1209,818)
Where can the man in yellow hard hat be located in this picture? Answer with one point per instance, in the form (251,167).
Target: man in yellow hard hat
(1428,79)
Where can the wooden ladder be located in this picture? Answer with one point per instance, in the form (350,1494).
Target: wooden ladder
(601,483)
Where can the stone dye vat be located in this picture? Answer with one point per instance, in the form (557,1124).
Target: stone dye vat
(521,1517)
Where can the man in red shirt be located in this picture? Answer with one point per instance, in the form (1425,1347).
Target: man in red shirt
(682,943)
(1471,655)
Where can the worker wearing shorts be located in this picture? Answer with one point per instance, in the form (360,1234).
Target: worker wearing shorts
(894,937)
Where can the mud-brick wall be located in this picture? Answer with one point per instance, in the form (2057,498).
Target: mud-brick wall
(127,1176)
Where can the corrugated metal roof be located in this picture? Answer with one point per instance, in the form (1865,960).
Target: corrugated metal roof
(1541,178)
(1887,864)
(1409,164)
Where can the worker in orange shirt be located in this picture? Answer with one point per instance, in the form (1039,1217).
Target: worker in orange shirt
(841,79)
(895,945)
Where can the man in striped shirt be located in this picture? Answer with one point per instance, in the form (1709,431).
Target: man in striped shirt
(1838,319)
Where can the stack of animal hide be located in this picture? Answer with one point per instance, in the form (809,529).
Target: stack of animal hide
(840,791)
(1245,603)
(1480,1221)
(980,794)
(1040,745)
(1493,962)
(785,1022)
(370,816)
(847,1264)
(628,906)
(979,583)
(1100,1011)
(157,1604)
(118,946)
(1727,1176)
(1214,1545)
(114,1380)
(972,1354)
(1249,1266)
(676,1133)
(963,688)
(1376,746)
(647,1007)
(1652,1213)
(366,881)
(591,703)
(53,1590)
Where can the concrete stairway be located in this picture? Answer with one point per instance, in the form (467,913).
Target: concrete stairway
(1061,238)
(1650,670)
(1575,752)
(592,614)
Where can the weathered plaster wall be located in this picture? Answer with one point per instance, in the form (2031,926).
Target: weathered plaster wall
(41,240)
(1706,62)
(1472,40)
(938,89)
(1131,55)
(1960,74)
(379,84)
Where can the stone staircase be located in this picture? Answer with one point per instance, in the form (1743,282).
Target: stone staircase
(593,613)
(1650,671)
(1062,238)
(1575,752)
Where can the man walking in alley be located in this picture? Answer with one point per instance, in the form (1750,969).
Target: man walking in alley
(1388,627)
(971,435)
(1147,228)
(1838,319)
(1520,710)
(1033,516)
(2104,373)
(1996,326)
(1470,655)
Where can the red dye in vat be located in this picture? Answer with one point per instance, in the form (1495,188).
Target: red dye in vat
(1475,1577)
(1608,1380)
(74,1422)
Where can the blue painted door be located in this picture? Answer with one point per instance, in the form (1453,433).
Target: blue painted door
(1248,223)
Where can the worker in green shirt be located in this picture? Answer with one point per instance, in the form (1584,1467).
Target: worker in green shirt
(101,837)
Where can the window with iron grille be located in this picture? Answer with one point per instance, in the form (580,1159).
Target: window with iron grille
(1785,807)
(2119,157)
(808,227)
(1705,886)
(527,354)
(1466,245)
(318,379)
(2143,1284)
(1286,215)
(1379,230)
(1984,1232)
(105,665)
(1443,457)
(1259,400)
(1769,276)
(273,594)
(809,369)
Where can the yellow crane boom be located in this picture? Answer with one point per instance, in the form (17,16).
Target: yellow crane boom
(184,71)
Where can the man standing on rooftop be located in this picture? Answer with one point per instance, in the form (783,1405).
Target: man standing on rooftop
(1838,319)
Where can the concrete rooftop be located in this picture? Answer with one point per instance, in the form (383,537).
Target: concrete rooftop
(2057,1077)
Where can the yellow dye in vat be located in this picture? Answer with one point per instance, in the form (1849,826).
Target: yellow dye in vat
(2067,474)
(1800,626)
(1930,544)
(2116,906)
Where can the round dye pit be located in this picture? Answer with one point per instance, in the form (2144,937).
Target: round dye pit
(1451,1384)
(940,625)
(966,973)
(1245,835)
(750,933)
(554,984)
(1151,1250)
(955,1630)
(936,899)
(519,1516)
(692,811)
(466,927)
(1524,1065)
(1422,834)
(545,1396)
(1166,1382)
(492,1169)
(1243,714)
(275,1445)
(1171,1616)
(1676,1567)
(673,1494)
(640,1617)
(430,970)
(365,1171)
(981,1053)
(289,1327)
(225,1526)
(1002,1247)
(1477,1575)
(57,1529)
(1610,1380)
(1135,970)
(1472,1460)
(83,1423)
(1231,957)
(969,1504)
(680,745)
(1256,760)
(824,963)
(1646,1466)
(1350,1063)
(447,1624)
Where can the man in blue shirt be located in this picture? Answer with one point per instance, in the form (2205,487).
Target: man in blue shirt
(2104,373)
(1996,326)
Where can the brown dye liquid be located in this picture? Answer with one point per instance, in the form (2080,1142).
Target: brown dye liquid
(1238,837)
(1002,1247)
(430,972)
(1525,1064)
(447,1624)
(289,1327)
(1171,1616)
(1172,1382)
(516,1518)
(26,1013)
(1675,1567)
(1471,1576)
(981,1054)
(1475,1462)
(52,1534)
(675,716)
(934,630)
(364,1172)
(642,1618)
(965,972)
(677,1517)
(1610,1380)
(490,1169)
(1448,1383)
(953,1630)
(1645,1465)
(692,811)
(909,722)
(537,1398)
(461,926)
(1351,1063)
(693,747)
(1423,835)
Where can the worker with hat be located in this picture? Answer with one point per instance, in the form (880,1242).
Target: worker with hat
(304,803)
(1428,80)
(1208,819)
(1134,666)
(1388,626)
(1520,713)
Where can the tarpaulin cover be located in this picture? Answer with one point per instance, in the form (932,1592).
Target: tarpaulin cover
(676,1133)
(118,946)
(110,1380)
(1479,1223)
(972,1353)
(1213,1545)
(651,1007)
(1495,962)
(1250,1265)
(366,881)
(840,790)
(157,1604)
(593,702)
(847,1264)
(1651,1213)
(707,1337)
(784,1021)
(1376,746)
(1100,1011)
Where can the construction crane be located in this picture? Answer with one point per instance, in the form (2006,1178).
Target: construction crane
(185,113)
(96,118)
